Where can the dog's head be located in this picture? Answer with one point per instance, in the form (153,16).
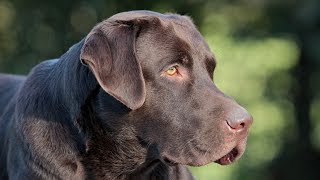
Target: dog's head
(161,68)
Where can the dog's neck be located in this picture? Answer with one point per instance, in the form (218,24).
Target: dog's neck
(108,155)
(76,81)
(114,153)
(102,154)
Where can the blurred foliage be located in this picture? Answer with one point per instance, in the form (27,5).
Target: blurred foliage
(268,60)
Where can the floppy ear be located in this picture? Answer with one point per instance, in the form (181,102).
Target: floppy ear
(109,50)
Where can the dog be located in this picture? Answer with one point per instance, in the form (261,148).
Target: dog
(134,99)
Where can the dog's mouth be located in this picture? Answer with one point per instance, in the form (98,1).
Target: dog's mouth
(233,153)
(227,159)
(231,157)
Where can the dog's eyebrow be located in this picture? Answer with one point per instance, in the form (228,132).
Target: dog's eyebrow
(176,58)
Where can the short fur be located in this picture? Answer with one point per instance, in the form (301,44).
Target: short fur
(106,109)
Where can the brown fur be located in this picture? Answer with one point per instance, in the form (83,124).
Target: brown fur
(107,109)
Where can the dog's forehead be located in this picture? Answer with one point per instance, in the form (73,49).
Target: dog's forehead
(189,34)
(182,25)
(186,33)
(178,29)
(134,14)
(179,32)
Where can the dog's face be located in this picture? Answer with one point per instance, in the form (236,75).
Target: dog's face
(160,67)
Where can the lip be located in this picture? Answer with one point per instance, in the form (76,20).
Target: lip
(227,159)
(232,156)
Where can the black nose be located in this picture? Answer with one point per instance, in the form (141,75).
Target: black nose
(239,119)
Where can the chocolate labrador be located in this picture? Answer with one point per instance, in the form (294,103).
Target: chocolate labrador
(133,100)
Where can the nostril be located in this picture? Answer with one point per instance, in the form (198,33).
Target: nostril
(236,126)
(241,123)
(239,119)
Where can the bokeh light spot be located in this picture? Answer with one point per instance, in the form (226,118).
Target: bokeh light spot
(7,14)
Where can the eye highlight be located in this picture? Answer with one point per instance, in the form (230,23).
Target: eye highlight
(172,71)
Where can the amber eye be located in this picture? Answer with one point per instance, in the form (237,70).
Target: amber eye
(172,71)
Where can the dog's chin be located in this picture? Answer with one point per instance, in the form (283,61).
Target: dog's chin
(231,155)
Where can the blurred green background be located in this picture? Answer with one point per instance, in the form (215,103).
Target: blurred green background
(268,55)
